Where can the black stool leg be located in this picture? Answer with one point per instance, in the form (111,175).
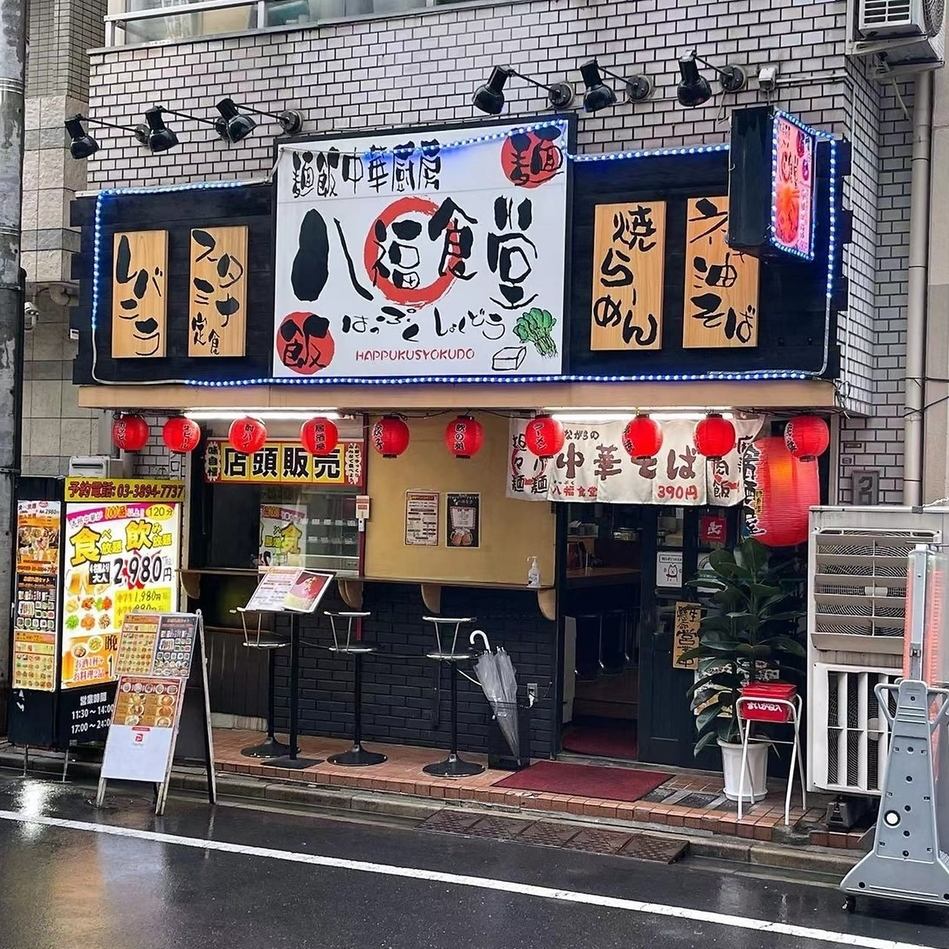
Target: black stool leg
(453,766)
(357,756)
(271,748)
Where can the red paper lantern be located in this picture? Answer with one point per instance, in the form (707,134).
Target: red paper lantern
(181,435)
(807,437)
(782,491)
(714,436)
(130,432)
(464,436)
(390,436)
(247,435)
(544,436)
(642,438)
(319,436)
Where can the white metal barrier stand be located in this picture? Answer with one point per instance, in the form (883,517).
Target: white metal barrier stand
(795,714)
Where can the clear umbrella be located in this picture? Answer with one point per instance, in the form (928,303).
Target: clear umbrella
(499,681)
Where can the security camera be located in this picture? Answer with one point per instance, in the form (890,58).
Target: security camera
(768,78)
(31,314)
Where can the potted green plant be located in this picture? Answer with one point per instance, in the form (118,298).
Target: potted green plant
(751,623)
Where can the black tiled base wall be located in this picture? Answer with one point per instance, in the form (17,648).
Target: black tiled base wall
(399,696)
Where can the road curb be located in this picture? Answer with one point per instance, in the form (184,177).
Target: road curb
(319,798)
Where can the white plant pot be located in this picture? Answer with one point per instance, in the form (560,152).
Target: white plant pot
(756,788)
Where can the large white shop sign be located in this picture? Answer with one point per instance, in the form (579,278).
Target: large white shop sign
(415,255)
(593,466)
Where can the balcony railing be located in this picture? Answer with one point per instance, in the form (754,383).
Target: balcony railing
(148,21)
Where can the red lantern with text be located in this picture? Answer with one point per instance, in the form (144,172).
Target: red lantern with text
(130,432)
(714,436)
(319,436)
(642,438)
(807,437)
(544,436)
(181,435)
(247,435)
(390,436)
(782,491)
(464,436)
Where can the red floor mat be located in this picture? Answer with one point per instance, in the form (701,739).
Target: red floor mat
(583,780)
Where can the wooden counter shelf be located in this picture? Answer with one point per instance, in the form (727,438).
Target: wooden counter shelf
(350,589)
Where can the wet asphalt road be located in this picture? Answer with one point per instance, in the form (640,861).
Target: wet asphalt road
(66,887)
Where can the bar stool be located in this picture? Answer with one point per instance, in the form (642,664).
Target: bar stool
(357,756)
(258,638)
(452,766)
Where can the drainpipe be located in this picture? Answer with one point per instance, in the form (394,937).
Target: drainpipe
(917,291)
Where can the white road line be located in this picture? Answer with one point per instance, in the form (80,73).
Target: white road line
(484,883)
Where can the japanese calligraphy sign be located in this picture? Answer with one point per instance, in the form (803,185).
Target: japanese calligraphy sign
(628,264)
(410,254)
(120,557)
(792,189)
(594,467)
(284,463)
(685,634)
(139,294)
(721,284)
(218,305)
(36,597)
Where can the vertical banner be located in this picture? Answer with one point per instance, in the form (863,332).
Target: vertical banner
(430,252)
(139,294)
(120,557)
(792,189)
(721,285)
(685,634)
(593,466)
(218,308)
(628,269)
(36,597)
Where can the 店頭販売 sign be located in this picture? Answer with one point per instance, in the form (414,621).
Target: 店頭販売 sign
(436,253)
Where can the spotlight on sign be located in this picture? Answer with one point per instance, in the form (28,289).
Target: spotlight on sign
(489,98)
(598,95)
(694,89)
(82,144)
(160,137)
(233,124)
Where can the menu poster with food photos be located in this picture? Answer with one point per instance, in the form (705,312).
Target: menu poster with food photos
(154,665)
(120,557)
(36,595)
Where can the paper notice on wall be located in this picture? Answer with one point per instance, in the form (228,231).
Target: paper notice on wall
(594,467)
(421,518)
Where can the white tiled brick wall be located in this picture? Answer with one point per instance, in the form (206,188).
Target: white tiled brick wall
(423,68)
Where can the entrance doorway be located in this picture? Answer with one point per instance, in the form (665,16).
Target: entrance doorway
(627,567)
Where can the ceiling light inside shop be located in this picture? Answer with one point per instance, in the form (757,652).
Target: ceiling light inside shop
(593,416)
(265,415)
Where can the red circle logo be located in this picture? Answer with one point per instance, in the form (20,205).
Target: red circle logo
(305,343)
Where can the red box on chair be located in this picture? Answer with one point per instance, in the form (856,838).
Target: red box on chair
(763,708)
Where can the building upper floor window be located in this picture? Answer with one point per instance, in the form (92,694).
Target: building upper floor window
(153,21)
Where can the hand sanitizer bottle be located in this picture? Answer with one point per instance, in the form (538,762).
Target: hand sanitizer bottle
(533,573)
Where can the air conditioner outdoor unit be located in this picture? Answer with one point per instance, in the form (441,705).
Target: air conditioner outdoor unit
(856,612)
(904,36)
(97,466)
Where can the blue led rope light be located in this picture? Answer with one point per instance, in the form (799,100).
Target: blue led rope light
(687,150)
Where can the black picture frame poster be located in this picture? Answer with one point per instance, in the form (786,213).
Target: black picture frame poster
(463,521)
